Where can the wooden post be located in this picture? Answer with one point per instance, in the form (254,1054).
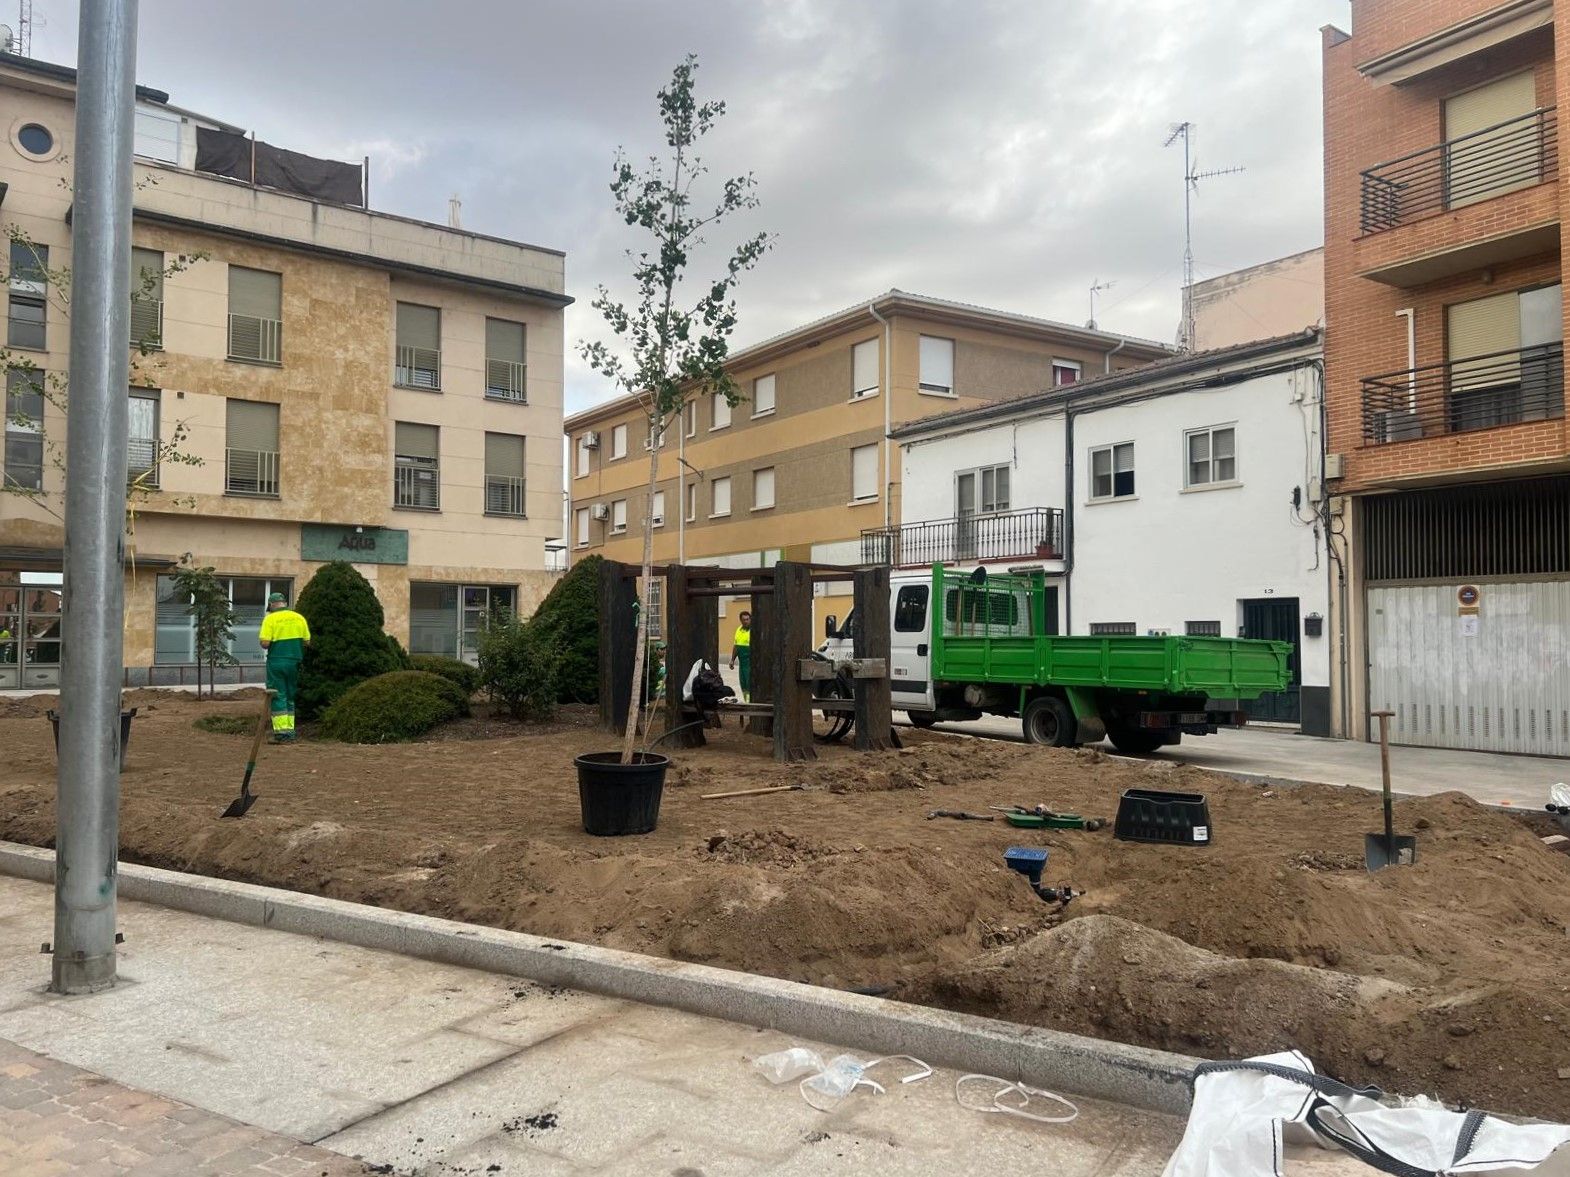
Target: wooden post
(763,651)
(618,641)
(874,711)
(794,634)
(691,632)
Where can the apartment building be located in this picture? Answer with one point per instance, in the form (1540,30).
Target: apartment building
(322,382)
(804,467)
(1444,247)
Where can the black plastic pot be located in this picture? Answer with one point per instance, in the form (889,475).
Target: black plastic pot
(617,798)
(125,731)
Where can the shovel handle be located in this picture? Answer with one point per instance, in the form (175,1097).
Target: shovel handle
(1384,772)
(262,722)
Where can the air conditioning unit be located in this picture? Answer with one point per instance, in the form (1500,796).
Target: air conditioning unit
(1335,466)
(591,441)
(600,511)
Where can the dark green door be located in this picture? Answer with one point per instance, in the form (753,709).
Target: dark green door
(1276,619)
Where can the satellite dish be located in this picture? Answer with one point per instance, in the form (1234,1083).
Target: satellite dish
(7,39)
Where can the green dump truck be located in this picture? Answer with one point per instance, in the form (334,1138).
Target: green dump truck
(967,644)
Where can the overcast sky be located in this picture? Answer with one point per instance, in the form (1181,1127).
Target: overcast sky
(1001,152)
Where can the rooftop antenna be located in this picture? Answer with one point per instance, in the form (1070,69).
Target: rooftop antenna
(454,212)
(1191,178)
(22,43)
(1096,286)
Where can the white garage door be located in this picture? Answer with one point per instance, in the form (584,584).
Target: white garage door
(1503,688)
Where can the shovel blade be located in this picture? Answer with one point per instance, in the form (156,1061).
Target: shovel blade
(239,805)
(1396,850)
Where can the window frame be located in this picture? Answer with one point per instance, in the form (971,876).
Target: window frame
(260,358)
(1211,483)
(1114,629)
(155,395)
(580,522)
(771,377)
(730,499)
(1077,367)
(690,413)
(1111,450)
(717,402)
(9,428)
(691,506)
(1202,629)
(874,496)
(412,462)
(903,606)
(657,517)
(871,390)
(27,288)
(773,488)
(934,389)
(618,528)
(979,474)
(618,442)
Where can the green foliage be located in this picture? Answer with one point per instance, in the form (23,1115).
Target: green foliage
(214,615)
(226,725)
(466,676)
(570,617)
(395,707)
(347,643)
(520,668)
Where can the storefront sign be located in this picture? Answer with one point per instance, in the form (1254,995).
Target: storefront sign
(357,545)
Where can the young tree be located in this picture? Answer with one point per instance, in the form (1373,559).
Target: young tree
(673,353)
(215,617)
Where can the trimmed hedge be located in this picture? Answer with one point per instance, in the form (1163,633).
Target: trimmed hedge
(452,669)
(395,707)
(348,645)
(569,618)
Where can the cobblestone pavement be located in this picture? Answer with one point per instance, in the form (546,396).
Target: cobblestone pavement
(59,1119)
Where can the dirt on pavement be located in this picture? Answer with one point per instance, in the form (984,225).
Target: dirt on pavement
(1447,977)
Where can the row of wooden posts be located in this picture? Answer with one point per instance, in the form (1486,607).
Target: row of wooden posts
(784,672)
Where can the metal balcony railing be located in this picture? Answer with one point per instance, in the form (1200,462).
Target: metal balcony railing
(417,367)
(142,462)
(253,338)
(147,322)
(503,495)
(504,380)
(417,483)
(1035,533)
(1517,153)
(1479,392)
(251,472)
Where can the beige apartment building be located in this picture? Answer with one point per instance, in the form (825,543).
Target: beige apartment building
(324,382)
(803,468)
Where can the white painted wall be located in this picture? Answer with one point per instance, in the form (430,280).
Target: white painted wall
(1033,451)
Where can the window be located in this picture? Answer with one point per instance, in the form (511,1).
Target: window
(583,457)
(36,139)
(649,442)
(142,440)
(580,519)
(251,448)
(1491,147)
(156,136)
(692,502)
(147,299)
(981,492)
(864,369)
(863,473)
(618,516)
(763,395)
(1112,628)
(910,609)
(1112,471)
(657,514)
(448,619)
(417,467)
(1212,457)
(1066,372)
(417,356)
(720,411)
(505,366)
(720,497)
(29,296)
(763,489)
(937,366)
(618,442)
(1202,629)
(1506,360)
(174,641)
(504,474)
(654,591)
(255,315)
(24,428)
(690,411)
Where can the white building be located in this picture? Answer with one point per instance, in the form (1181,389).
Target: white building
(1195,505)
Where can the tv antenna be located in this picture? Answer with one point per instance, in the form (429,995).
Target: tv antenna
(1191,178)
(22,43)
(1096,286)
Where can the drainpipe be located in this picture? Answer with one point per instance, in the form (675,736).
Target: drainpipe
(1068,516)
(1409,315)
(1107,365)
(888,415)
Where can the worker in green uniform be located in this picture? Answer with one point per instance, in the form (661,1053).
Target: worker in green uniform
(284,636)
(741,652)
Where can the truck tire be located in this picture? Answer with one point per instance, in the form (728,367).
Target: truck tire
(1048,720)
(922,719)
(1133,742)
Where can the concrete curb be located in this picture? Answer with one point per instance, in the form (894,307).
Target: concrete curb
(1130,1075)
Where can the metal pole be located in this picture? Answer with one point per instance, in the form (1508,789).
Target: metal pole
(88,808)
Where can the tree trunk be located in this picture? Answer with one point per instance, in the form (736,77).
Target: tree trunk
(640,655)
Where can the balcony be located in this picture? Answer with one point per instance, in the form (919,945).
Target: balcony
(504,495)
(1458,396)
(504,380)
(1035,533)
(147,323)
(251,472)
(255,339)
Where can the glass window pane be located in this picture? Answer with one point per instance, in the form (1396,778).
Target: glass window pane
(174,640)
(1198,447)
(1221,443)
(433,619)
(1124,456)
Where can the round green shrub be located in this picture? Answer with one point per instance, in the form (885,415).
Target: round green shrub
(569,618)
(391,708)
(520,668)
(467,677)
(348,645)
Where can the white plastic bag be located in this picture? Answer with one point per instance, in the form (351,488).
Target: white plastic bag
(784,1065)
(842,1076)
(1559,804)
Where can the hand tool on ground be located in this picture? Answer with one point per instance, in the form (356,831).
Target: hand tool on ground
(1040,817)
(246,799)
(1386,849)
(750,792)
(960,815)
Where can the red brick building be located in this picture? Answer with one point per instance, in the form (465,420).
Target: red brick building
(1450,507)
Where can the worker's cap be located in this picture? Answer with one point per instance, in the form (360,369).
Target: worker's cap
(276,599)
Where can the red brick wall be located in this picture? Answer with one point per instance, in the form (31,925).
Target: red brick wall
(1368,123)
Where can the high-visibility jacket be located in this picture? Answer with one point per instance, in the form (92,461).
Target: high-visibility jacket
(286,633)
(743,639)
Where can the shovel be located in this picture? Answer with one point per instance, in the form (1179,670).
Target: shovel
(246,799)
(1386,849)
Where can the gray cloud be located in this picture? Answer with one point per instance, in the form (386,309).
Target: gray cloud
(1003,152)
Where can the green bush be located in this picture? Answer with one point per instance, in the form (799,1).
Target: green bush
(521,667)
(570,617)
(347,642)
(390,708)
(466,676)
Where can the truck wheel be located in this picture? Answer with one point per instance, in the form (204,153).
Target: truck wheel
(1050,721)
(1132,742)
(922,718)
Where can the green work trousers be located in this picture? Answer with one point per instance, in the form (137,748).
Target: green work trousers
(744,666)
(283,676)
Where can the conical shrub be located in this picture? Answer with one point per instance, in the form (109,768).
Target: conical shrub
(348,644)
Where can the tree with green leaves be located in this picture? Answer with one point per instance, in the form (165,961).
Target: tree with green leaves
(214,615)
(667,354)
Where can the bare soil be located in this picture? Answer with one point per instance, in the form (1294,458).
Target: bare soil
(1448,977)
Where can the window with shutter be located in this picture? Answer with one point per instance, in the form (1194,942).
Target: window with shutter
(1483,343)
(504,360)
(147,299)
(251,448)
(416,466)
(618,516)
(255,315)
(503,474)
(763,395)
(417,361)
(1490,147)
(719,411)
(937,366)
(581,522)
(864,473)
(721,493)
(763,489)
(618,442)
(1212,456)
(657,512)
(864,369)
(142,438)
